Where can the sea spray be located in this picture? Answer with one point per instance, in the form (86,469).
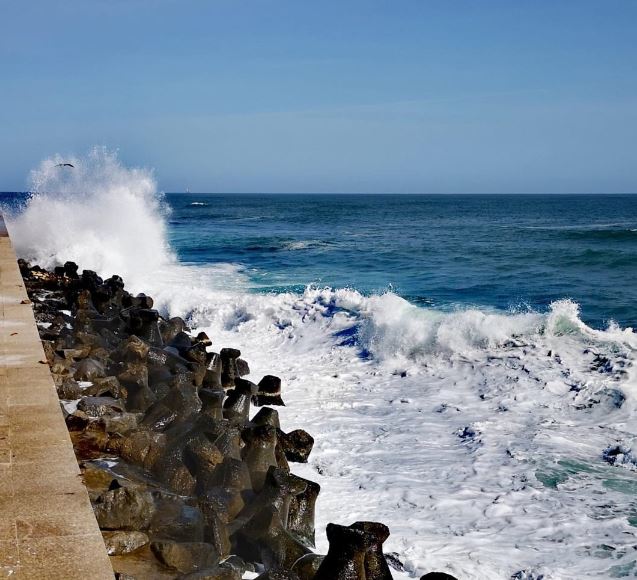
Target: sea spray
(97,212)
(112,219)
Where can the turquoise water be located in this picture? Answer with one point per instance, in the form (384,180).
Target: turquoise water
(500,251)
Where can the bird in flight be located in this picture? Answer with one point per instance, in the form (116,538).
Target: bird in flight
(65,165)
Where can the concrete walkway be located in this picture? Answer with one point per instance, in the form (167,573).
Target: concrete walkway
(47,527)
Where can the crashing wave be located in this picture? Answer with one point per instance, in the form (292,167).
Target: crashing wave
(99,213)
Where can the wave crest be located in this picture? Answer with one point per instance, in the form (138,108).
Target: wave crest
(111,218)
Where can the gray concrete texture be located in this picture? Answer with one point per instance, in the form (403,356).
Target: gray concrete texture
(47,526)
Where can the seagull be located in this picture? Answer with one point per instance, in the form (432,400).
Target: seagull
(65,165)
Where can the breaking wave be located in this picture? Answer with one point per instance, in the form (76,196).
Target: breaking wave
(112,218)
(97,212)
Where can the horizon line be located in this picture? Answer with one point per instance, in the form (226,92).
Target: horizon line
(378,193)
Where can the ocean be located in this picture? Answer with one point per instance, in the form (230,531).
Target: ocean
(464,362)
(507,252)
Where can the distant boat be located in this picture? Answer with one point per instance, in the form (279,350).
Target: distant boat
(187,190)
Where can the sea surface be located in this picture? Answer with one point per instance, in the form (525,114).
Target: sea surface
(466,363)
(507,252)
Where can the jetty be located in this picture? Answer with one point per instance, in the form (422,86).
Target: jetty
(47,526)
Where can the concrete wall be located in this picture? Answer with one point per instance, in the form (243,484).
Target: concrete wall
(47,526)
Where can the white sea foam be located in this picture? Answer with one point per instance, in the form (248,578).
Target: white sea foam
(304,245)
(106,217)
(476,435)
(98,212)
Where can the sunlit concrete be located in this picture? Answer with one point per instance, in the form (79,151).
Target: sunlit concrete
(47,527)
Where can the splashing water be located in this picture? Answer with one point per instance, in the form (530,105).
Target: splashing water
(477,435)
(99,214)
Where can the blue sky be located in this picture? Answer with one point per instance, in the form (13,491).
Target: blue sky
(330,96)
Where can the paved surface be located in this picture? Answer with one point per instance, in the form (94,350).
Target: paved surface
(47,527)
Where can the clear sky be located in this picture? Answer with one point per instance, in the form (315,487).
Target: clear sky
(327,96)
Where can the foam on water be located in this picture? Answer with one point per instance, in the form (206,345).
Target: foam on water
(480,437)
(105,217)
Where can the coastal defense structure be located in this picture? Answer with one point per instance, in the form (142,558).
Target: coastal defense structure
(47,526)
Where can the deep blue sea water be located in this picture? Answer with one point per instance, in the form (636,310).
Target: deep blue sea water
(499,251)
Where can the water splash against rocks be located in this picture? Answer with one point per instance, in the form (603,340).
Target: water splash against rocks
(99,212)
